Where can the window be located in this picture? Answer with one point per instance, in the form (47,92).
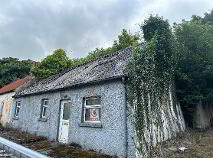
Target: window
(17,109)
(1,108)
(92,109)
(66,111)
(44,105)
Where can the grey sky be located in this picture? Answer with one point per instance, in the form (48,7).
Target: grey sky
(33,28)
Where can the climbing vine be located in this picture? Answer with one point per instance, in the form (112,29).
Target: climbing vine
(150,73)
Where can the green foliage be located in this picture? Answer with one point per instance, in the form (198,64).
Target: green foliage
(154,25)
(125,40)
(12,69)
(208,18)
(52,64)
(150,72)
(194,73)
(59,61)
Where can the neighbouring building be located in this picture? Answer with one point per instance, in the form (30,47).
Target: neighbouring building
(6,100)
(86,105)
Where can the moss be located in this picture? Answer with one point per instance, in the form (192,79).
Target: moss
(75,152)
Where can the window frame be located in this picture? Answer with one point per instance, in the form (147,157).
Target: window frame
(85,107)
(44,106)
(18,106)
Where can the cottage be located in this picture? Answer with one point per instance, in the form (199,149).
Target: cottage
(86,105)
(6,99)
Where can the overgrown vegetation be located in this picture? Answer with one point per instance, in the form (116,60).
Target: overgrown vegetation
(194,70)
(150,73)
(183,55)
(12,69)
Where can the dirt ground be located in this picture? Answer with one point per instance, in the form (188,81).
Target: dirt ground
(197,144)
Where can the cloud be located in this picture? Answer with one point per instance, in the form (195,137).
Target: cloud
(32,29)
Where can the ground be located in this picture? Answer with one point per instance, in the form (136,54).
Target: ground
(197,144)
(52,149)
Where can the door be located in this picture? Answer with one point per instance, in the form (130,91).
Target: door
(64,122)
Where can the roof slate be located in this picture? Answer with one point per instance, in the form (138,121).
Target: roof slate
(107,67)
(14,85)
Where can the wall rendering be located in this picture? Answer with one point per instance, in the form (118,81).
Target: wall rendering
(6,102)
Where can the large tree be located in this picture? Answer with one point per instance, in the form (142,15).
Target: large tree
(194,72)
(12,69)
(52,64)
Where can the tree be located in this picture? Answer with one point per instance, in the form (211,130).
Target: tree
(194,72)
(52,64)
(125,40)
(12,69)
(208,18)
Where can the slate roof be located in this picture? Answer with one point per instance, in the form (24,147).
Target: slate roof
(107,67)
(14,85)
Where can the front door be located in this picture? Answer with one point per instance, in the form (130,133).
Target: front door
(64,122)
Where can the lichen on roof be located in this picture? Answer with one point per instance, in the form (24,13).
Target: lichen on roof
(107,67)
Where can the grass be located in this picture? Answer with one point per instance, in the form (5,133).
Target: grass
(54,149)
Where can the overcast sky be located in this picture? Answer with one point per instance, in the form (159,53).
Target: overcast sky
(32,29)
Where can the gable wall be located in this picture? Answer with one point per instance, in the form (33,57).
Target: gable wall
(6,111)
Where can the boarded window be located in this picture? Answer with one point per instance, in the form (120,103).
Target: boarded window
(92,109)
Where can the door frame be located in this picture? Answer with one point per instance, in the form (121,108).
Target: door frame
(59,114)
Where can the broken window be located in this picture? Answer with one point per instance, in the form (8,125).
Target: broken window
(17,108)
(44,106)
(92,109)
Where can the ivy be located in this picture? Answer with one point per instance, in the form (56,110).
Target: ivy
(150,74)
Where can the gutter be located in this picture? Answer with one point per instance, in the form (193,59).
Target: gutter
(125,115)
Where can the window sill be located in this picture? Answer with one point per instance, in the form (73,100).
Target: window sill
(42,119)
(92,125)
(15,118)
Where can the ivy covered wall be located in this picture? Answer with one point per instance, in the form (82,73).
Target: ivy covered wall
(156,112)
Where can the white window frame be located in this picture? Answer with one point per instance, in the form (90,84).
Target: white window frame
(18,106)
(91,107)
(44,104)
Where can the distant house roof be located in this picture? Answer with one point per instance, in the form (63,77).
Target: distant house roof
(14,85)
(108,67)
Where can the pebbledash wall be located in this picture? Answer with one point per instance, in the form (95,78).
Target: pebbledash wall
(114,138)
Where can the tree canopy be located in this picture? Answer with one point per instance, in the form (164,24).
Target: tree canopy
(52,64)
(194,71)
(12,69)
(59,61)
